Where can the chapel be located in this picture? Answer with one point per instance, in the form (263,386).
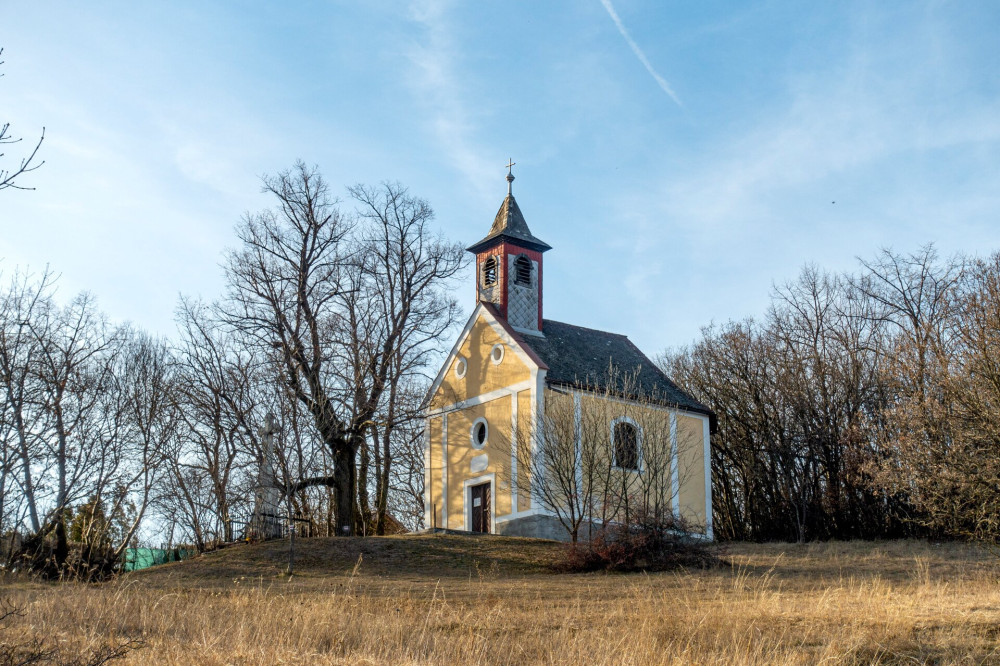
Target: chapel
(514,380)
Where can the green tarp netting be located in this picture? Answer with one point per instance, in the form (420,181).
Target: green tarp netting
(142,558)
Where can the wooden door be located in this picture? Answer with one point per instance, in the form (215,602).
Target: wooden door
(480,497)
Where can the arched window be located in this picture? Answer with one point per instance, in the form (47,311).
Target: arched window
(626,444)
(490,272)
(522,271)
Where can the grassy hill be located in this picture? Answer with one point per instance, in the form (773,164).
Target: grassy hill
(446,599)
(407,556)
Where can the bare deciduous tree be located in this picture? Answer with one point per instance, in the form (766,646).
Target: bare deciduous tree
(347,305)
(398,311)
(75,373)
(284,281)
(568,463)
(22,306)
(815,403)
(221,394)
(945,420)
(87,413)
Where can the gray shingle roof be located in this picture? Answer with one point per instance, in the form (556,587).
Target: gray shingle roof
(581,357)
(509,223)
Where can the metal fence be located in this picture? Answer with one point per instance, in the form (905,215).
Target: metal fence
(263,526)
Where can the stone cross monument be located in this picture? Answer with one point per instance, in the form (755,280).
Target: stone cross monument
(267,514)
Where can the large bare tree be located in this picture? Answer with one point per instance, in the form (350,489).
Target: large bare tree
(86,413)
(398,311)
(23,305)
(817,401)
(221,392)
(942,433)
(75,371)
(347,304)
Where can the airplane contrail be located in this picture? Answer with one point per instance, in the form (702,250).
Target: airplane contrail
(638,52)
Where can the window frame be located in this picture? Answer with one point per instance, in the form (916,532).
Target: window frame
(638,445)
(523,259)
(472,433)
(490,261)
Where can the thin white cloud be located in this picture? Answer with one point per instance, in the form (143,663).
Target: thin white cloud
(760,205)
(438,87)
(639,54)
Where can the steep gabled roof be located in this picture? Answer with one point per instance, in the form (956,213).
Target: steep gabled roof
(578,357)
(509,224)
(581,358)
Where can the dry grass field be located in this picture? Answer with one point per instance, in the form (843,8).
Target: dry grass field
(491,600)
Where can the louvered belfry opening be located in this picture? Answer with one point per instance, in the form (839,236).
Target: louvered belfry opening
(490,272)
(510,267)
(522,271)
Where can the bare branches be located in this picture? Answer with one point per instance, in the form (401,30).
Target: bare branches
(838,415)
(575,463)
(27,164)
(347,307)
(85,413)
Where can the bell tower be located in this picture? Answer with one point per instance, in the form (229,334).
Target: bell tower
(509,266)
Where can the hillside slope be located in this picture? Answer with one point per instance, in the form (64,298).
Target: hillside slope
(416,555)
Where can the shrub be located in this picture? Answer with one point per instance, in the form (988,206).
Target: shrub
(648,542)
(36,555)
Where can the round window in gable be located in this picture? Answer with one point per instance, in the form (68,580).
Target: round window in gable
(496,354)
(480,433)
(461,365)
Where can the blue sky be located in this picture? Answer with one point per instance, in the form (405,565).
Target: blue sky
(679,157)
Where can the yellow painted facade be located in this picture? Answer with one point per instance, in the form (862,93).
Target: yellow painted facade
(504,394)
(452,429)
(691,468)
(461,454)
(524,399)
(657,440)
(481,374)
(433,480)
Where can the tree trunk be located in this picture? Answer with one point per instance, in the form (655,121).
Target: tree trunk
(28,483)
(363,469)
(62,545)
(383,463)
(382,499)
(345,489)
(377,451)
(3,491)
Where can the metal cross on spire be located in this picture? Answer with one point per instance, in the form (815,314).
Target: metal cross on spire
(510,176)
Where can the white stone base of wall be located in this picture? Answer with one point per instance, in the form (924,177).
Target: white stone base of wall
(538,527)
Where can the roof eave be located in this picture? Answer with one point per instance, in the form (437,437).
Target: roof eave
(531,244)
(673,404)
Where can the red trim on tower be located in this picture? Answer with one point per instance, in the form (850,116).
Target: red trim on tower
(498,252)
(502,251)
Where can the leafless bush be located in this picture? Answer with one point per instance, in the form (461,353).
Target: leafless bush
(651,542)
